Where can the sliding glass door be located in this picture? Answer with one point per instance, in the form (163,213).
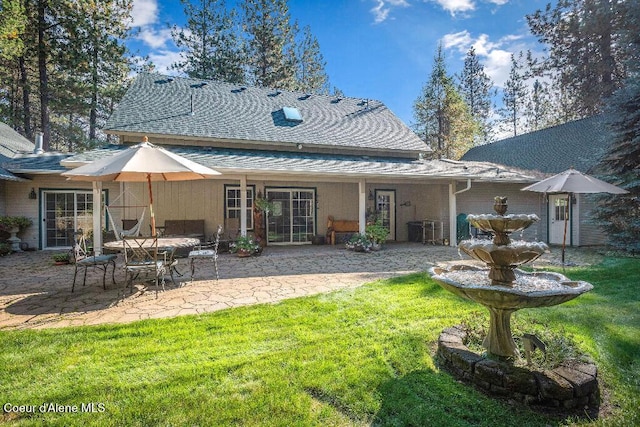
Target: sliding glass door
(63,212)
(293,216)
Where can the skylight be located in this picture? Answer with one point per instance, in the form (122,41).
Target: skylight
(292,114)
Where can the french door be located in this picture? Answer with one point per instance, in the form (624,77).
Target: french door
(63,212)
(386,210)
(293,217)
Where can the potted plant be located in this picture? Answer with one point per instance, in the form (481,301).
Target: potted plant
(359,243)
(261,208)
(377,233)
(60,258)
(14,225)
(244,246)
(5,249)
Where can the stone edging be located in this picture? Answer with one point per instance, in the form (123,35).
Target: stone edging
(571,386)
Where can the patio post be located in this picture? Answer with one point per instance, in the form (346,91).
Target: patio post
(362,206)
(97,217)
(453,226)
(243,205)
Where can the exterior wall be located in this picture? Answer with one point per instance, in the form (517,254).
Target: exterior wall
(588,234)
(479,200)
(3,198)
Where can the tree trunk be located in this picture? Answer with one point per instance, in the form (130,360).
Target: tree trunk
(26,103)
(44,77)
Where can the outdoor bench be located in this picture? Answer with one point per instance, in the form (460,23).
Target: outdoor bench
(184,228)
(341,227)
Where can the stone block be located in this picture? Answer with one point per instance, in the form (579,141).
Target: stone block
(553,386)
(464,359)
(583,384)
(450,338)
(521,380)
(457,331)
(490,371)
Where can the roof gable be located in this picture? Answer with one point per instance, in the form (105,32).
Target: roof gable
(12,143)
(211,110)
(579,144)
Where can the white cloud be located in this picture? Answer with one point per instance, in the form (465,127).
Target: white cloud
(495,56)
(163,59)
(456,6)
(498,2)
(383,7)
(154,38)
(144,12)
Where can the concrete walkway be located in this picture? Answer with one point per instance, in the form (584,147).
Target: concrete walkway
(36,294)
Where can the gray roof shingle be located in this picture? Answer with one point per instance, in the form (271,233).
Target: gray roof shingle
(579,144)
(269,162)
(160,105)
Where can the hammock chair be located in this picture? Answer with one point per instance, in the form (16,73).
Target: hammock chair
(132,225)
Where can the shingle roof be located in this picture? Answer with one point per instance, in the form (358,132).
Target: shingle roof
(36,163)
(277,162)
(11,142)
(160,105)
(579,144)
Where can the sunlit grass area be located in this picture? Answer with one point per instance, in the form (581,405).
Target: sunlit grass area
(353,357)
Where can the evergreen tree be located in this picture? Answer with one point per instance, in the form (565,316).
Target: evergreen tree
(537,108)
(513,96)
(13,21)
(584,54)
(210,43)
(476,89)
(271,48)
(311,77)
(442,117)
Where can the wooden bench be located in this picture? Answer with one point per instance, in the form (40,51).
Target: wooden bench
(340,226)
(184,227)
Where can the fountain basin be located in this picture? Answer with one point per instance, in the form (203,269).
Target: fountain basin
(537,289)
(502,223)
(503,258)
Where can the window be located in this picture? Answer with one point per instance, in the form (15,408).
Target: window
(232,203)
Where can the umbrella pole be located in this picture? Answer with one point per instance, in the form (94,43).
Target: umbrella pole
(151,213)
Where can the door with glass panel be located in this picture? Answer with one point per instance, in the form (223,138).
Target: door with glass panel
(293,217)
(62,213)
(558,211)
(386,210)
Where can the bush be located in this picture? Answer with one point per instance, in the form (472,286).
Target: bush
(5,249)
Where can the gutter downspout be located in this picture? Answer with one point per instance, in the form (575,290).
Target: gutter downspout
(453,224)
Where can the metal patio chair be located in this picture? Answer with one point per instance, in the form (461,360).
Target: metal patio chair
(143,259)
(84,259)
(206,252)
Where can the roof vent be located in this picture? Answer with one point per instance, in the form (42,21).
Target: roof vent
(199,85)
(305,96)
(336,100)
(275,93)
(292,114)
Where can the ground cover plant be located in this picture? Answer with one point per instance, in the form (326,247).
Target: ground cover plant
(348,358)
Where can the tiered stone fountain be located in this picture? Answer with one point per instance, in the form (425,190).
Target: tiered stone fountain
(504,289)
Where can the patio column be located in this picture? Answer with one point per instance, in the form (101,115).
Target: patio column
(243,205)
(97,217)
(453,211)
(362,205)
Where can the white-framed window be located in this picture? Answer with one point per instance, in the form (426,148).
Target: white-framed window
(232,203)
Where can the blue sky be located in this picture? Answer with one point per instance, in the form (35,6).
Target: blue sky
(378,49)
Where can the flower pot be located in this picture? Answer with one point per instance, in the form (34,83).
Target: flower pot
(243,253)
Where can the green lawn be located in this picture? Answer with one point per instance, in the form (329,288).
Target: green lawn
(354,357)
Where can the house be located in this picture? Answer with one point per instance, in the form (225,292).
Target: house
(580,144)
(313,156)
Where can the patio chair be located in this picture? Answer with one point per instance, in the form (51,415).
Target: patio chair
(142,258)
(84,259)
(206,252)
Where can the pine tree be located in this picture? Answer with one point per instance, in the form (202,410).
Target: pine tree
(476,89)
(210,43)
(311,76)
(584,54)
(513,96)
(271,48)
(619,215)
(442,117)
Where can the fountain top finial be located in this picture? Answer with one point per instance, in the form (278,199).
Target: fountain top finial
(500,205)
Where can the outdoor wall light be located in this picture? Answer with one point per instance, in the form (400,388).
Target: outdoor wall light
(371,197)
(407,203)
(32,194)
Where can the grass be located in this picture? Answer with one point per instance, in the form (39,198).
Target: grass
(348,358)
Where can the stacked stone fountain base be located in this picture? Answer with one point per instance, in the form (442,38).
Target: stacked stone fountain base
(571,386)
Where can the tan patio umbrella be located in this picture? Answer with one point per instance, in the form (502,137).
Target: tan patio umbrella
(142,162)
(572,182)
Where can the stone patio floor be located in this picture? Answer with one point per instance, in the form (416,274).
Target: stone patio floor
(36,294)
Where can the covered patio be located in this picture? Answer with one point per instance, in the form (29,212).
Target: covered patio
(35,294)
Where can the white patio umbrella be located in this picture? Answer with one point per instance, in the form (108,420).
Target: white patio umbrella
(571,181)
(139,163)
